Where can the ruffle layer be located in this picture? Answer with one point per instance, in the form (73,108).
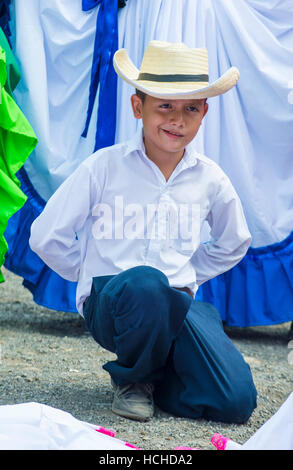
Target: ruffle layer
(17,140)
(257,291)
(47,287)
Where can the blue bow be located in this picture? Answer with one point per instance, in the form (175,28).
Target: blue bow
(5,18)
(103,73)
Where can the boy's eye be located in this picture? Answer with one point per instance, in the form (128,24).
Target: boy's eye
(188,108)
(192,108)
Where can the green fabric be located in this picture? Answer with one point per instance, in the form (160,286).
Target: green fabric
(17,141)
(13,74)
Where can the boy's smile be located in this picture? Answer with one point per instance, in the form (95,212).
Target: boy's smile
(168,126)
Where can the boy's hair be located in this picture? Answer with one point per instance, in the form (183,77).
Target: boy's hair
(140,94)
(143,95)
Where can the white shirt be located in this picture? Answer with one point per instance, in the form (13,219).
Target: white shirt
(117,211)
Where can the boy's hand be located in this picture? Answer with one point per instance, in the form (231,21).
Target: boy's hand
(186,289)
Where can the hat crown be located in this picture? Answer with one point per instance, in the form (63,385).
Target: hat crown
(163,58)
(173,70)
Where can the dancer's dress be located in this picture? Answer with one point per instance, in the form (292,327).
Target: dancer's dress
(17,140)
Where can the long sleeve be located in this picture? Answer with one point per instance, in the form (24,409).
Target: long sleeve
(54,234)
(230,237)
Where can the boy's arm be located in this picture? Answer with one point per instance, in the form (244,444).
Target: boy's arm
(54,234)
(229,232)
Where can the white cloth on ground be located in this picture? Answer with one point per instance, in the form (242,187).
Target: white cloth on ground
(35,426)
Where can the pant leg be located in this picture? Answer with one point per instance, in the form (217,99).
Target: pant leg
(196,368)
(136,315)
(206,376)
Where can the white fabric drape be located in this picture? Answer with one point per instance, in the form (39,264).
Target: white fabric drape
(35,426)
(248,131)
(277,432)
(53,41)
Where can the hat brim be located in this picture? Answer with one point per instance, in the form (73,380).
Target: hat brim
(126,70)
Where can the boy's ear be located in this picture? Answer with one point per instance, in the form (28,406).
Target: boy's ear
(137,105)
(206,108)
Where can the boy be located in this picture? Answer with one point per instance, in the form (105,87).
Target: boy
(126,225)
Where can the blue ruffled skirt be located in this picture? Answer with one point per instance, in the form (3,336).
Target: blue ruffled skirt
(258,291)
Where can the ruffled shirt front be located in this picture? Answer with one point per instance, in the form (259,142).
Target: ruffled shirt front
(117,211)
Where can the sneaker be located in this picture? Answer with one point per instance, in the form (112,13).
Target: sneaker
(134,401)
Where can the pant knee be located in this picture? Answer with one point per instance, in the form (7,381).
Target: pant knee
(137,297)
(144,281)
(142,273)
(238,406)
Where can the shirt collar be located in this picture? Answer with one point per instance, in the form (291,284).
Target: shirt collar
(190,157)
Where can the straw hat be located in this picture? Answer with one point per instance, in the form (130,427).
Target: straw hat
(173,70)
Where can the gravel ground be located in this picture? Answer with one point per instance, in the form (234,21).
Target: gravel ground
(49,357)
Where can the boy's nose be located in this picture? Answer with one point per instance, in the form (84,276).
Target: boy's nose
(177,117)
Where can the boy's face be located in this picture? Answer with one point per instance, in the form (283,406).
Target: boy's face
(169,125)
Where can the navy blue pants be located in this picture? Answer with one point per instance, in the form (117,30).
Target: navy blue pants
(161,335)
